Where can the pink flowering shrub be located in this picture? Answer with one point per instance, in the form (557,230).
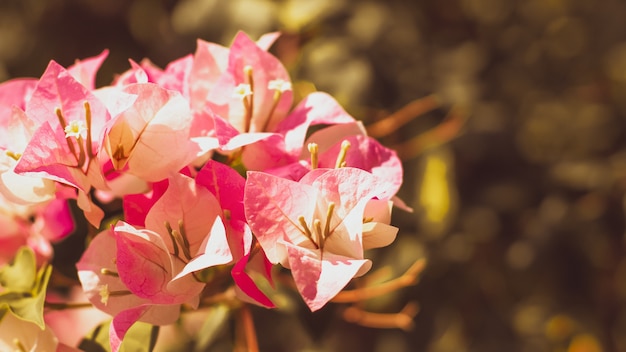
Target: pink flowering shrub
(219,177)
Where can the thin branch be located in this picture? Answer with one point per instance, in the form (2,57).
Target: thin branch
(246,328)
(403,116)
(442,133)
(401,320)
(409,278)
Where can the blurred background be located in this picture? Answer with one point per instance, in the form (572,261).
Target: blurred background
(521,215)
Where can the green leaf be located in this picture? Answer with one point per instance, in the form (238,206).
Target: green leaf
(29,305)
(141,337)
(19,275)
(213,326)
(24,288)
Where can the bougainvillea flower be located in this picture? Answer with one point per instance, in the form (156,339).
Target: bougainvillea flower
(315,226)
(21,335)
(69,120)
(254,93)
(151,139)
(97,271)
(228,187)
(14,138)
(286,143)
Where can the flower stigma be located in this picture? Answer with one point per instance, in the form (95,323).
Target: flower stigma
(341,158)
(314,150)
(19,345)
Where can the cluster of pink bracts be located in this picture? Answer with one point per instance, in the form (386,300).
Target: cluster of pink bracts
(279,194)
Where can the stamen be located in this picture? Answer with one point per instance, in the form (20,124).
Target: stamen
(172,238)
(18,344)
(183,234)
(12,155)
(227,214)
(70,144)
(119,293)
(59,114)
(81,153)
(248,101)
(279,86)
(317,225)
(341,158)
(313,149)
(366,220)
(307,231)
(329,215)
(178,236)
(109,272)
(88,123)
(248,70)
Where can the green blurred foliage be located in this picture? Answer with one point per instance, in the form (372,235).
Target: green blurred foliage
(521,216)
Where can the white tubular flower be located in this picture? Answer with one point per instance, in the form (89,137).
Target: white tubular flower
(76,128)
(242,90)
(279,85)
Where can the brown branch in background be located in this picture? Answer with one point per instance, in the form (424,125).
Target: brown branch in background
(444,132)
(403,116)
(401,320)
(247,339)
(409,278)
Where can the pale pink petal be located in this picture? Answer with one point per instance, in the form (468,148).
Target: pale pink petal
(265,68)
(272,207)
(267,40)
(30,336)
(320,279)
(175,76)
(99,255)
(146,267)
(57,89)
(213,251)
(144,135)
(15,92)
(196,207)
(48,156)
(367,154)
(84,71)
(315,108)
(92,212)
(377,235)
(210,61)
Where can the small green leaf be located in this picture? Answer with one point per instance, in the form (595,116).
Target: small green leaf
(24,288)
(141,337)
(29,305)
(213,326)
(19,275)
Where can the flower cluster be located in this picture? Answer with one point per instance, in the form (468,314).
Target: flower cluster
(221,177)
